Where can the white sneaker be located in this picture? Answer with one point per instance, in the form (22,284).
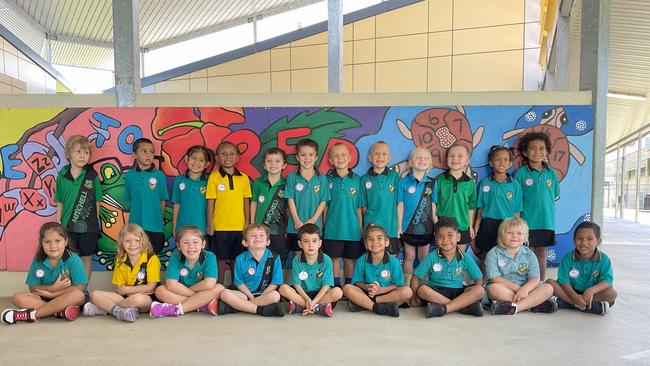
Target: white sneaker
(91,309)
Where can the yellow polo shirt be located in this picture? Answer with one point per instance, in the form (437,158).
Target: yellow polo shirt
(145,270)
(229,192)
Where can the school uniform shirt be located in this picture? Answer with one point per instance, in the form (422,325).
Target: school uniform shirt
(178,268)
(145,189)
(307,195)
(379,197)
(456,197)
(312,277)
(271,204)
(248,271)
(190,195)
(499,200)
(78,198)
(343,207)
(539,189)
(387,272)
(229,192)
(585,273)
(445,273)
(41,273)
(417,197)
(145,270)
(518,270)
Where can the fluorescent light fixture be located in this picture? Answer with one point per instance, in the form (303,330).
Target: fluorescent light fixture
(640,98)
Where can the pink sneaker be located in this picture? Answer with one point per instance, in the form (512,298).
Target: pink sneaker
(161,310)
(70,313)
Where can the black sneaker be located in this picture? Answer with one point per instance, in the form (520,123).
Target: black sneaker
(354,308)
(435,310)
(561,304)
(225,309)
(599,308)
(548,306)
(273,310)
(473,309)
(388,308)
(503,308)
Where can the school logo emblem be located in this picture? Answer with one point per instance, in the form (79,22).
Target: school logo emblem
(391,188)
(437,267)
(251,271)
(458,271)
(331,185)
(368,185)
(140,276)
(319,273)
(65,275)
(88,184)
(427,191)
(549,183)
(509,195)
(221,187)
(486,189)
(596,274)
(202,190)
(502,263)
(300,187)
(353,191)
(529,182)
(199,276)
(181,186)
(40,273)
(523,268)
(411,189)
(574,273)
(280,193)
(184,272)
(303,275)
(153,182)
(261,199)
(316,188)
(385,274)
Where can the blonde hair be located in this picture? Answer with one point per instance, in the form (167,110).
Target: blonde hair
(508,224)
(338,144)
(417,151)
(75,140)
(134,229)
(253,226)
(376,144)
(189,229)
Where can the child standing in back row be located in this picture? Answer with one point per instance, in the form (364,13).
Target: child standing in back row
(188,193)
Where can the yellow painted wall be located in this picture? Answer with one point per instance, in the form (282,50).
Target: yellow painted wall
(430,46)
(19,75)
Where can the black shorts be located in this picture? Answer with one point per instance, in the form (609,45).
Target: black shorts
(279,246)
(394,246)
(417,240)
(313,294)
(84,244)
(541,238)
(348,249)
(448,292)
(292,243)
(465,238)
(487,235)
(226,245)
(157,240)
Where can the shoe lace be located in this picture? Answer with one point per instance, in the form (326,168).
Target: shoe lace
(21,315)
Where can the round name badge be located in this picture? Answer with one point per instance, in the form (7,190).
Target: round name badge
(385,274)
(251,271)
(303,275)
(368,185)
(300,187)
(153,181)
(502,263)
(437,267)
(221,187)
(411,190)
(181,186)
(529,182)
(140,276)
(184,272)
(261,199)
(331,185)
(40,273)
(574,273)
(486,189)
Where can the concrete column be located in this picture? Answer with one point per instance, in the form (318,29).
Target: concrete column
(562,53)
(334,46)
(594,48)
(637,195)
(618,212)
(126,50)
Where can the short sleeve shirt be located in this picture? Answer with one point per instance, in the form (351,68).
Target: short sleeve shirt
(445,273)
(190,195)
(145,189)
(379,197)
(271,204)
(70,265)
(417,197)
(312,277)
(229,192)
(585,273)
(387,272)
(499,200)
(456,197)
(248,271)
(145,270)
(539,189)
(343,207)
(306,195)
(82,211)
(179,269)
(518,270)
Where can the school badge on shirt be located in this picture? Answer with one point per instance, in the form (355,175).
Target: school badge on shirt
(140,275)
(202,190)
(596,274)
(411,189)
(458,271)
(88,184)
(199,276)
(153,183)
(523,268)
(353,191)
(509,195)
(316,188)
(549,183)
(319,273)
(391,188)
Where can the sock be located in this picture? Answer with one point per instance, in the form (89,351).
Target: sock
(180,310)
(337,282)
(259,310)
(348,280)
(32,315)
(115,309)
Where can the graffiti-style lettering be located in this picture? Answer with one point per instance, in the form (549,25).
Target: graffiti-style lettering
(7,209)
(103,134)
(40,163)
(9,163)
(294,133)
(31,200)
(49,183)
(123,139)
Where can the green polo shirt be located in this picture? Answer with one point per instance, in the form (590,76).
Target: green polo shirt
(306,195)
(41,273)
(540,189)
(178,268)
(145,189)
(445,273)
(82,211)
(518,270)
(379,197)
(499,200)
(190,195)
(387,272)
(343,207)
(456,197)
(312,277)
(271,204)
(585,273)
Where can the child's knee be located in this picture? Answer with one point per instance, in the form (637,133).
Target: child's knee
(348,289)
(285,290)
(274,296)
(336,293)
(547,288)
(409,256)
(19,298)
(610,295)
(476,291)
(77,296)
(405,292)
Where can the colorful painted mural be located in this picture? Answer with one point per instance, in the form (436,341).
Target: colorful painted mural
(32,153)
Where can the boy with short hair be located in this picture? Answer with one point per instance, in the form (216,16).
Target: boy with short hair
(313,290)
(307,193)
(378,281)
(256,277)
(444,271)
(79,194)
(228,194)
(343,214)
(585,278)
(379,194)
(269,203)
(146,190)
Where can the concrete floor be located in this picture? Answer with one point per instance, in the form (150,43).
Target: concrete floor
(565,338)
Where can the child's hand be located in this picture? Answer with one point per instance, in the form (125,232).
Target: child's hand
(298,224)
(61,283)
(209,230)
(44,293)
(588,297)
(521,294)
(471,232)
(373,288)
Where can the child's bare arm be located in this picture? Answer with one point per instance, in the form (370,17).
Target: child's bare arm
(203,285)
(472,233)
(360,217)
(53,294)
(59,211)
(178,288)
(163,204)
(578,300)
(137,289)
(385,289)
(589,293)
(502,281)
(243,288)
(177,208)
(247,211)
(301,292)
(270,288)
(323,290)
(400,217)
(318,213)
(253,210)
(293,211)
(210,215)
